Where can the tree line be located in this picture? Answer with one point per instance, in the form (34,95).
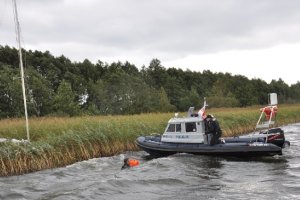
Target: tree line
(57,86)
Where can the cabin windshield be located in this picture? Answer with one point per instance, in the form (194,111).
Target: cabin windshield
(190,127)
(174,128)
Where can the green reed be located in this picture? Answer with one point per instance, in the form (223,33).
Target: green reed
(60,141)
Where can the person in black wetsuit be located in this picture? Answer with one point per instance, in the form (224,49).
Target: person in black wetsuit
(212,127)
(130,162)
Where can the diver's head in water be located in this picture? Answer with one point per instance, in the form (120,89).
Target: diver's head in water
(130,162)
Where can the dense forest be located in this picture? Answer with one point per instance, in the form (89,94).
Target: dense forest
(57,86)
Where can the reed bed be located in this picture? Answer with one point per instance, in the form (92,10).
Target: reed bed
(60,141)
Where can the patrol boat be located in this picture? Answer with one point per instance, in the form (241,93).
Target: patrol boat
(187,135)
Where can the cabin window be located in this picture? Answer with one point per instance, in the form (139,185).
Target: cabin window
(178,127)
(171,128)
(174,128)
(190,127)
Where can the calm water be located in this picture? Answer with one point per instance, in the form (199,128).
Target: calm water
(181,176)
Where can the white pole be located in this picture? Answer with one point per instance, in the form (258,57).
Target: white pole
(17,27)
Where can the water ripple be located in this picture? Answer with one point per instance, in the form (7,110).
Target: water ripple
(181,176)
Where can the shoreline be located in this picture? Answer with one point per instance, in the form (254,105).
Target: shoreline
(58,142)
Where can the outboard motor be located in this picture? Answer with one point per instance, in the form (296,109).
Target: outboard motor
(275,136)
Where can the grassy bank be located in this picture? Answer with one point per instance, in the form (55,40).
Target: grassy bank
(57,142)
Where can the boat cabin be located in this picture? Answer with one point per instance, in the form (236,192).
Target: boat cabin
(184,130)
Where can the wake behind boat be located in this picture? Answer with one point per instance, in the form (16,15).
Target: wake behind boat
(187,135)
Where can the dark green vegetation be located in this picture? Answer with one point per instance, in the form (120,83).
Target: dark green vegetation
(57,86)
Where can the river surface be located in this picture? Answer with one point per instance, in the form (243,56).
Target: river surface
(181,176)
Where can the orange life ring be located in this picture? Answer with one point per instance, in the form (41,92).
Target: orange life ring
(268,111)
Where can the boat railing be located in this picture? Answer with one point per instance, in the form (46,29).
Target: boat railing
(270,115)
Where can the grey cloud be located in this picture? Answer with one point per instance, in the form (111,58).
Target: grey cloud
(161,27)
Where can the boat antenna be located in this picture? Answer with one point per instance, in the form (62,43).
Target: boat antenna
(17,29)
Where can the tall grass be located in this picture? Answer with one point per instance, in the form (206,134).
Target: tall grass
(61,141)
(58,141)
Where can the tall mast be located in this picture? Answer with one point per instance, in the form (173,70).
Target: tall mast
(17,28)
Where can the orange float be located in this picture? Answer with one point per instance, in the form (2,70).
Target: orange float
(130,162)
(269,110)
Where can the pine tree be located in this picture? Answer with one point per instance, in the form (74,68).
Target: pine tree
(164,102)
(64,103)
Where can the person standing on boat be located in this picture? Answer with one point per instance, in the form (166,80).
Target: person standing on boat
(212,127)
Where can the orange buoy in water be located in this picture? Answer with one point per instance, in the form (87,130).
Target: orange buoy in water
(133,162)
(130,162)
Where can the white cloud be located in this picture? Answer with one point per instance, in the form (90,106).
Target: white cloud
(280,61)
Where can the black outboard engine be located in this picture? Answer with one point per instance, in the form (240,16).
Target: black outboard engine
(275,136)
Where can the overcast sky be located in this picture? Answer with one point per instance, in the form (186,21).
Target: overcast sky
(255,38)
